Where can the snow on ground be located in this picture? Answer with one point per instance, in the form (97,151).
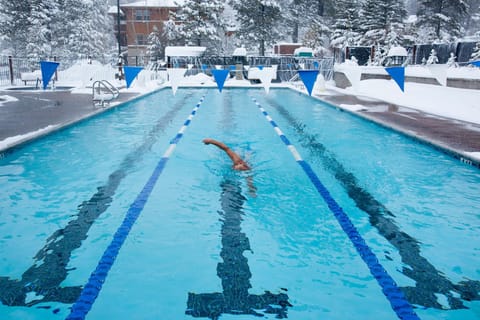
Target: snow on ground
(460,104)
(4,144)
(455,103)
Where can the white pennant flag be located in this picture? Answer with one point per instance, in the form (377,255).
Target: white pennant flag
(353,74)
(266,75)
(175,76)
(439,71)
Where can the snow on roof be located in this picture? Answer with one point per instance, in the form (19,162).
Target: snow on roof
(184,51)
(397,52)
(113,10)
(239,52)
(155,3)
(303,49)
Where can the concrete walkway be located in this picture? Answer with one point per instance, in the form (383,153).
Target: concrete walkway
(34,111)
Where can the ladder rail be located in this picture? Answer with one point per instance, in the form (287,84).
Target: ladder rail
(103,91)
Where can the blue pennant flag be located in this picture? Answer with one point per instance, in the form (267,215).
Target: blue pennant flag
(397,74)
(476,63)
(308,77)
(232,67)
(220,77)
(260,67)
(204,67)
(131,73)
(315,65)
(48,69)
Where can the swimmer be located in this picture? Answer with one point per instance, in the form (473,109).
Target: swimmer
(238,163)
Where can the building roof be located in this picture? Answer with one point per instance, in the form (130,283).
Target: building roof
(154,3)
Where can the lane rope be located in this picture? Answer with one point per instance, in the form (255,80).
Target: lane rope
(395,296)
(94,284)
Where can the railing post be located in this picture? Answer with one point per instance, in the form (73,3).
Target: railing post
(56,74)
(10,67)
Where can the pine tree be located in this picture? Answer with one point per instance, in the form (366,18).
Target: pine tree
(441,20)
(347,23)
(472,21)
(154,45)
(15,24)
(382,22)
(201,23)
(170,32)
(476,52)
(39,39)
(259,22)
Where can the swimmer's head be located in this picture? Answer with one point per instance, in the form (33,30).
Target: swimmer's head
(241,166)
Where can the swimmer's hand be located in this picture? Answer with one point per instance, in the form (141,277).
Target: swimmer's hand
(207,141)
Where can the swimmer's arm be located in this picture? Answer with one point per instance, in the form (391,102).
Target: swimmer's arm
(235,157)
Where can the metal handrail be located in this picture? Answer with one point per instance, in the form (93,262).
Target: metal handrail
(103,91)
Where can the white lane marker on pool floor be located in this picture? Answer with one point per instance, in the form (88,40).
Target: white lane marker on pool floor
(95,282)
(400,305)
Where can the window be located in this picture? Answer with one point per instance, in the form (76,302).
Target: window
(142,15)
(141,39)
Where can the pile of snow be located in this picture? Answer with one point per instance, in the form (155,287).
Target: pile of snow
(461,104)
(397,52)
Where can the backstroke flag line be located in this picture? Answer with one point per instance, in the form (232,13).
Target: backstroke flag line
(175,76)
(48,69)
(131,73)
(308,77)
(220,77)
(397,74)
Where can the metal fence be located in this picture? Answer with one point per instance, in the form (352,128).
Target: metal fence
(11,68)
(287,67)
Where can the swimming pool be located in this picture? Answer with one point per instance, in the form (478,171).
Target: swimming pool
(81,209)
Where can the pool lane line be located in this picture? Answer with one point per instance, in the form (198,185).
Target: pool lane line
(395,296)
(94,284)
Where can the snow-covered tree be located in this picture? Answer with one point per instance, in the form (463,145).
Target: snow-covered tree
(452,61)
(39,38)
(476,52)
(308,22)
(259,22)
(441,20)
(347,23)
(382,22)
(154,45)
(170,33)
(201,23)
(432,59)
(472,19)
(15,24)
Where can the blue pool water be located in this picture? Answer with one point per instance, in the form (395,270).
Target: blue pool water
(207,245)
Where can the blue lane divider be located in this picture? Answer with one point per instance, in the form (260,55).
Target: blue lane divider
(395,296)
(91,290)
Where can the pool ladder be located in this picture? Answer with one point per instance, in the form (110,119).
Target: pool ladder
(103,92)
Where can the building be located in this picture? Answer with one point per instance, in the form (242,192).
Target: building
(137,21)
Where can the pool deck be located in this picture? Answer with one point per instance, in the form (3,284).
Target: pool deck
(34,114)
